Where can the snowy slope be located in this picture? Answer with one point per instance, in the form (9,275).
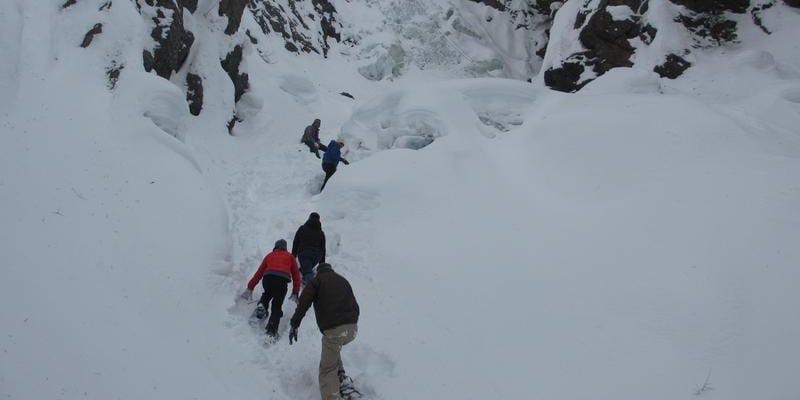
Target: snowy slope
(105,231)
(635,240)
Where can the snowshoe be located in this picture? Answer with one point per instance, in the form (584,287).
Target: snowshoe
(347,389)
(258,315)
(271,338)
(261,311)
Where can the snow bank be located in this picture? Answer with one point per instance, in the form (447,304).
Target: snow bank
(415,118)
(108,237)
(609,239)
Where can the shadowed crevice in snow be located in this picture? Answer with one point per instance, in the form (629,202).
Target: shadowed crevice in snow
(96,30)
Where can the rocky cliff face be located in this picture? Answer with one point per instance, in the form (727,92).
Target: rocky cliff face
(171,40)
(567,43)
(610,34)
(598,35)
(171,46)
(303,28)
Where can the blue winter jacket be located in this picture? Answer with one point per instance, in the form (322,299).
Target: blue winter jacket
(333,155)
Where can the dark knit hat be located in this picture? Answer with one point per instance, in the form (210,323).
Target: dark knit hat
(280,244)
(314,216)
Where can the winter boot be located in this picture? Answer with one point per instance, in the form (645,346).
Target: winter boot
(272,327)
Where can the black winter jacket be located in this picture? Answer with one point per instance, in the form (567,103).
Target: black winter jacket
(309,237)
(333,300)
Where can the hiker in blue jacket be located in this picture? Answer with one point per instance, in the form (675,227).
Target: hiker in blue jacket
(331,159)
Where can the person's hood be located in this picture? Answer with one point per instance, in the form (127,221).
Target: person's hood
(314,224)
(324,267)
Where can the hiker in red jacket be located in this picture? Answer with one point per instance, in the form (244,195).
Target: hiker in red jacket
(278,268)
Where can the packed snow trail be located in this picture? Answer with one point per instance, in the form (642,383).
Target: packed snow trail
(273,188)
(269,197)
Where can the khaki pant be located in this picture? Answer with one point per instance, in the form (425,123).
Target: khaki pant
(330,363)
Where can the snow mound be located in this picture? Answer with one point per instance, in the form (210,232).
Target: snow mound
(300,87)
(415,117)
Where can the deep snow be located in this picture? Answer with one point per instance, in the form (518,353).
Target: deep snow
(635,240)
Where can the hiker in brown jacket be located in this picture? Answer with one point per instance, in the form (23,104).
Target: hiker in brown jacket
(336,311)
(311,138)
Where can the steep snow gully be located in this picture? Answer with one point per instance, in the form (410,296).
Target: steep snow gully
(634,240)
(273,192)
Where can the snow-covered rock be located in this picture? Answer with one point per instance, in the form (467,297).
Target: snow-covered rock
(594,37)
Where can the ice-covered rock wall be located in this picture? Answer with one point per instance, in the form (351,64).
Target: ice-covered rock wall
(466,38)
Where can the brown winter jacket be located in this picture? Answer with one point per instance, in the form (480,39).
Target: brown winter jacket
(333,299)
(311,134)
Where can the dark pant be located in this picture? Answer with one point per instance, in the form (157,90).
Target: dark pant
(275,288)
(315,147)
(308,260)
(329,169)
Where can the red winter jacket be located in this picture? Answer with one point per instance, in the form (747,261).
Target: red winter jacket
(279,262)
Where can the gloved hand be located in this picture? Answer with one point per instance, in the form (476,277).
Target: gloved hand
(345,162)
(247,294)
(292,335)
(294,298)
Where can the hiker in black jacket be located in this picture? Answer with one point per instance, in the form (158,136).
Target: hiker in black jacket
(309,246)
